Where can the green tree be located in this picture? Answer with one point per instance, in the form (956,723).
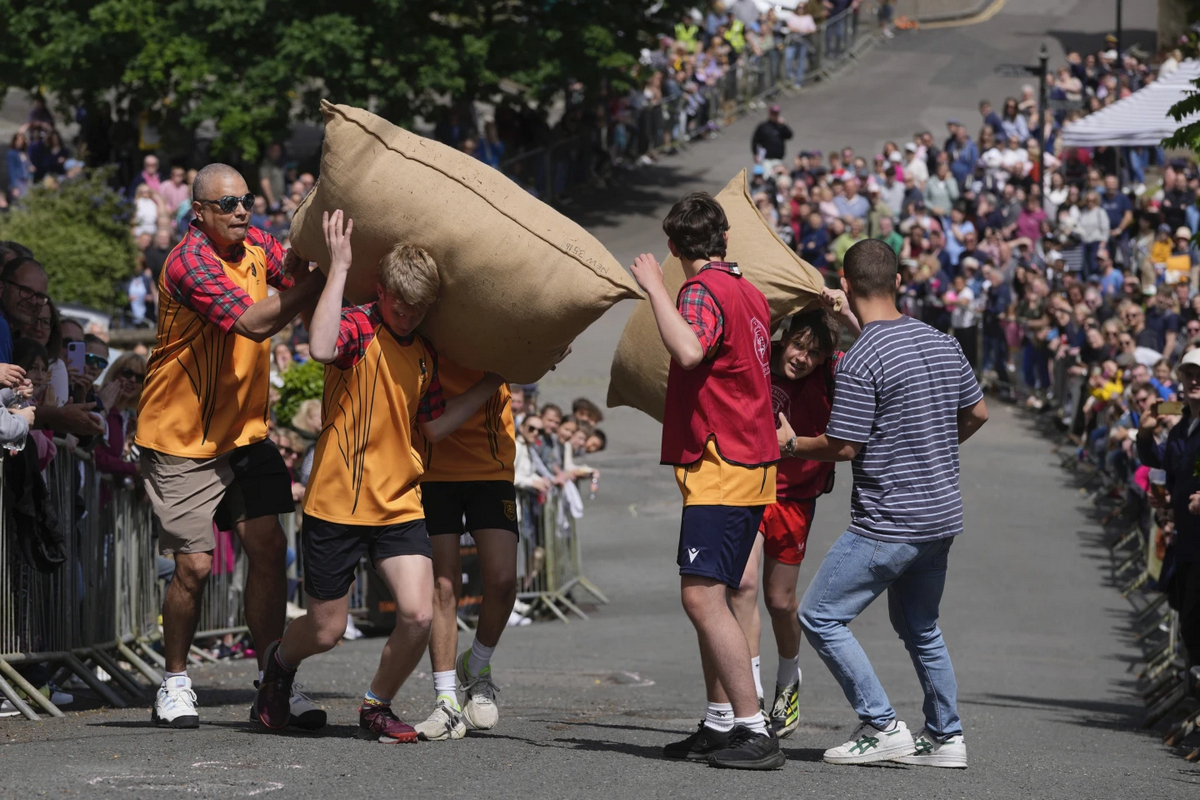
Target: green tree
(253,66)
(80,234)
(301,382)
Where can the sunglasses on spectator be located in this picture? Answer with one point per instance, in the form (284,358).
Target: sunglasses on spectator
(228,204)
(285,450)
(29,295)
(98,362)
(130,375)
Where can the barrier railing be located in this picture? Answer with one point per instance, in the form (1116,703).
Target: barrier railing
(589,155)
(1136,549)
(549,561)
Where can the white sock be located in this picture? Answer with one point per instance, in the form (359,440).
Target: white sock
(755,723)
(756,665)
(719,717)
(445,684)
(788,672)
(891,726)
(260,676)
(168,675)
(481,656)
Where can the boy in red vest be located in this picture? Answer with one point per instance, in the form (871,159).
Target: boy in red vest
(802,366)
(719,434)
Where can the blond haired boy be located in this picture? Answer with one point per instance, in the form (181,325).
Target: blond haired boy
(363,497)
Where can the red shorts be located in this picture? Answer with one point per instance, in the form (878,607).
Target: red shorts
(785,527)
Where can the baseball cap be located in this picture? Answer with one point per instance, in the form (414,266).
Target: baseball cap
(953,122)
(758,169)
(894,157)
(1190,359)
(775,109)
(970,262)
(1164,228)
(1183,232)
(911,147)
(1111,55)
(1053,257)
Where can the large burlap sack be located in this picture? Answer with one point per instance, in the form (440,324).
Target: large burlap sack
(519,280)
(639,369)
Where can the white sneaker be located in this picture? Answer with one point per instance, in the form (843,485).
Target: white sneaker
(175,705)
(515,620)
(932,753)
(445,723)
(352,631)
(7,709)
(480,709)
(868,744)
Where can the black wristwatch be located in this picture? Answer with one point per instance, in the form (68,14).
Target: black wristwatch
(789,449)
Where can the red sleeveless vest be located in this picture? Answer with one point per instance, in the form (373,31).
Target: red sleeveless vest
(807,404)
(728,397)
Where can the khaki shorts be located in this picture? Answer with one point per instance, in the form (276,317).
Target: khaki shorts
(190,494)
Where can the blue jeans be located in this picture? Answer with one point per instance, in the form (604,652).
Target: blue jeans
(855,572)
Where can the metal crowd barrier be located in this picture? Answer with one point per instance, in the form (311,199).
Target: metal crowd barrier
(794,60)
(549,561)
(100,608)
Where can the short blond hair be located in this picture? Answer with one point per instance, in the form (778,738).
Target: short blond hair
(411,274)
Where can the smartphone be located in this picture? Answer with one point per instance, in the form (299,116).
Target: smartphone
(1168,409)
(76,355)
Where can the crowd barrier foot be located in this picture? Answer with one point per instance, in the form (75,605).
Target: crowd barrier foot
(1148,629)
(1138,583)
(146,647)
(141,666)
(462,624)
(134,689)
(1130,562)
(1126,540)
(1164,706)
(1157,663)
(11,693)
(1150,608)
(30,691)
(1181,731)
(1161,682)
(587,586)
(549,601)
(202,656)
(95,684)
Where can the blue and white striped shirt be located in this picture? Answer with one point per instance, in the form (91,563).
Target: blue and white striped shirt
(898,391)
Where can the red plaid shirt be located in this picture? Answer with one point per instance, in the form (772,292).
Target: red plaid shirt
(699,309)
(196,279)
(360,325)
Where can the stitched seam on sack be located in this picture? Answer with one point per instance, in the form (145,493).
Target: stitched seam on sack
(604,275)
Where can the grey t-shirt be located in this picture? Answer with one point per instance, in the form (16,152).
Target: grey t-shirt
(898,391)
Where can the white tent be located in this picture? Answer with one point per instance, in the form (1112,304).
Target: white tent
(1140,119)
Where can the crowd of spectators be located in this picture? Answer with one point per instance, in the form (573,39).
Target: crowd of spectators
(1071,278)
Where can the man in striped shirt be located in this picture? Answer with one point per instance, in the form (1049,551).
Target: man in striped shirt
(905,398)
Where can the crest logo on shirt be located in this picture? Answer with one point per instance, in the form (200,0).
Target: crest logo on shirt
(762,344)
(781,403)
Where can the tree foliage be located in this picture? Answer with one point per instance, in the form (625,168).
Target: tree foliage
(1187,136)
(301,382)
(80,234)
(251,66)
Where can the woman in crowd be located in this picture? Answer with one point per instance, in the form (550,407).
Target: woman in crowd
(20,169)
(119,393)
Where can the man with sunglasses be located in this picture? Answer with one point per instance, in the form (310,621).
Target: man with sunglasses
(202,422)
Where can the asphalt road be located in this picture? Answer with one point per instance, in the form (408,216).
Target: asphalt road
(1037,635)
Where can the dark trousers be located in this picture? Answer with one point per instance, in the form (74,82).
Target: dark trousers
(1185,597)
(968,340)
(995,354)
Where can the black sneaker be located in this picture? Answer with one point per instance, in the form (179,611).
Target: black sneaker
(749,750)
(699,746)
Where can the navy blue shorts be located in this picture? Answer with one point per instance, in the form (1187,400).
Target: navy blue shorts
(715,541)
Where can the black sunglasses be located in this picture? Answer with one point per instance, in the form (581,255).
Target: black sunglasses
(130,375)
(228,203)
(92,360)
(25,293)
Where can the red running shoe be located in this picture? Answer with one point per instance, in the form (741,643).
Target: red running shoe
(377,721)
(274,700)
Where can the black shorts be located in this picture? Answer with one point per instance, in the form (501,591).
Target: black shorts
(332,551)
(715,541)
(484,504)
(261,487)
